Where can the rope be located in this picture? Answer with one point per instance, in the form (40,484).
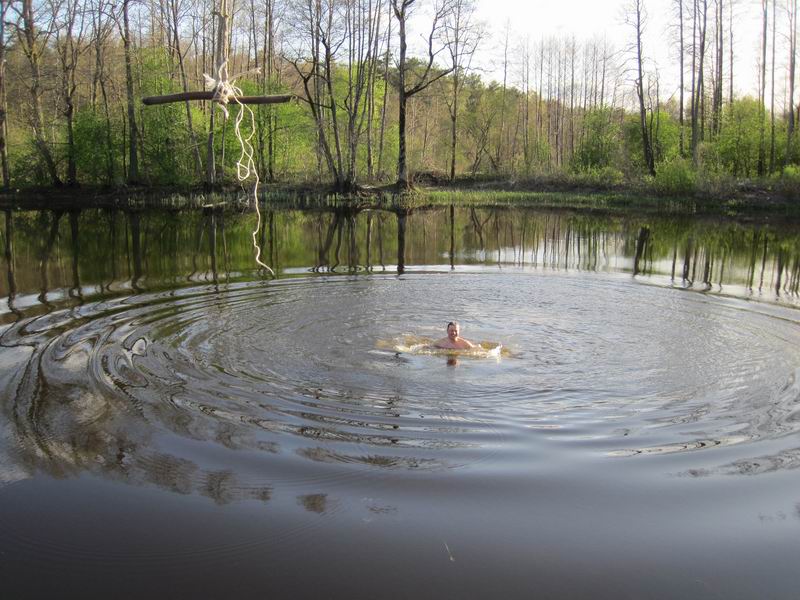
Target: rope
(225,92)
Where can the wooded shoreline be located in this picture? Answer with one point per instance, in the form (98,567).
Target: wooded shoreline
(745,199)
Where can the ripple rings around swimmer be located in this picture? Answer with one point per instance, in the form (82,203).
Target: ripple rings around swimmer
(287,381)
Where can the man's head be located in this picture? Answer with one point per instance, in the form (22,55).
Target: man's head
(453,329)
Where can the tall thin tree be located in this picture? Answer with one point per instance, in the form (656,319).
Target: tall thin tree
(402,11)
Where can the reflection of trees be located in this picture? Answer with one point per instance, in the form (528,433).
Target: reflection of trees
(149,247)
(64,427)
(402,217)
(316,503)
(342,227)
(9,253)
(46,251)
(134,220)
(75,290)
(452,237)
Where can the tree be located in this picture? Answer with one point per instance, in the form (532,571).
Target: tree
(402,11)
(637,20)
(681,87)
(4,5)
(133,154)
(69,29)
(325,29)
(33,44)
(101,12)
(791,10)
(762,98)
(701,6)
(462,34)
(176,10)
(739,145)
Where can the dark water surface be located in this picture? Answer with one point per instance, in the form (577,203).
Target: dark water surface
(176,422)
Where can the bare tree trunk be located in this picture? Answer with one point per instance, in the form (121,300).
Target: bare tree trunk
(763,91)
(730,51)
(198,163)
(220,71)
(4,4)
(791,9)
(402,166)
(385,95)
(272,115)
(454,127)
(772,92)
(30,46)
(462,37)
(692,108)
(401,10)
(101,30)
(133,159)
(646,142)
(698,103)
(69,45)
(498,154)
(681,49)
(716,118)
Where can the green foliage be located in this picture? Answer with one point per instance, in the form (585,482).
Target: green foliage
(599,142)
(95,161)
(715,183)
(738,143)
(666,134)
(166,146)
(631,135)
(600,177)
(501,131)
(26,167)
(674,177)
(788,183)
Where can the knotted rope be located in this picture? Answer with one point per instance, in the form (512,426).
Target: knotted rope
(226,91)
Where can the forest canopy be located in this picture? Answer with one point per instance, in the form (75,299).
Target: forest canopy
(374,105)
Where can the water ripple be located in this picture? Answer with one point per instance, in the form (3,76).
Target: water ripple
(226,391)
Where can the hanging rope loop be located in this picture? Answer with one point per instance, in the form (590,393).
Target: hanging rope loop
(225,92)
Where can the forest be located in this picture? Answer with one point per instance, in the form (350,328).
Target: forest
(387,91)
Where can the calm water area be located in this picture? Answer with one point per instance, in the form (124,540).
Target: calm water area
(177,421)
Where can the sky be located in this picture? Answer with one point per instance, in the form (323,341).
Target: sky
(586,19)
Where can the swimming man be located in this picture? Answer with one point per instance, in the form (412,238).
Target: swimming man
(454,341)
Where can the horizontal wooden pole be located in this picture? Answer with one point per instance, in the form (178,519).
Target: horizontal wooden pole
(183,96)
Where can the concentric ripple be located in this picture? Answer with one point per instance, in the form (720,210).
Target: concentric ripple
(228,391)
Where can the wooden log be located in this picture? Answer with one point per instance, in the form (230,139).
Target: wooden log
(183,96)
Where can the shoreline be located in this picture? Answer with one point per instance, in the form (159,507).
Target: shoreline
(748,201)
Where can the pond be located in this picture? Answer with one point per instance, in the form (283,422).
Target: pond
(176,419)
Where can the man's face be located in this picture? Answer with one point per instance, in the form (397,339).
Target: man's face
(452,331)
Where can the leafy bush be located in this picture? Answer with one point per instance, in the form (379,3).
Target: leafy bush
(599,144)
(715,184)
(601,177)
(787,184)
(96,162)
(738,143)
(26,166)
(675,177)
